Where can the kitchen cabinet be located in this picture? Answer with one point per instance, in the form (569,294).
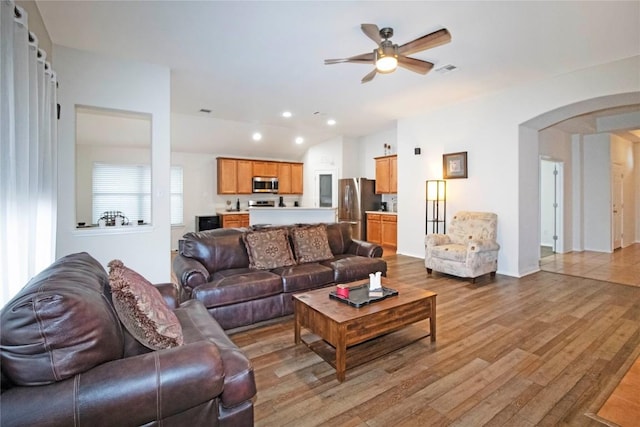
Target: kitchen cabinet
(234,176)
(289,178)
(389,231)
(382,229)
(374,228)
(234,220)
(265,169)
(387,174)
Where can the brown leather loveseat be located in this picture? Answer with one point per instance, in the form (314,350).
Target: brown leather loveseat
(215,267)
(67,360)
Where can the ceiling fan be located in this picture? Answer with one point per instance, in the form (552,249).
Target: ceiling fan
(387,56)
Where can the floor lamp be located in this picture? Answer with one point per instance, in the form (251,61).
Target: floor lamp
(436,205)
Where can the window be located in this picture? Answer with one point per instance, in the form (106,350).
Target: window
(176,196)
(127,188)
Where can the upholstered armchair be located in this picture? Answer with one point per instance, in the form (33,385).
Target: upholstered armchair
(469,249)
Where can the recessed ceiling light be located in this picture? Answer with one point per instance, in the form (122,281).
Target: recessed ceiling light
(299,140)
(286,114)
(257,136)
(331,122)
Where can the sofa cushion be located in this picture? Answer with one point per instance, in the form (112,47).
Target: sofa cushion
(60,324)
(451,252)
(350,268)
(142,309)
(310,243)
(304,276)
(268,249)
(228,289)
(217,250)
(339,237)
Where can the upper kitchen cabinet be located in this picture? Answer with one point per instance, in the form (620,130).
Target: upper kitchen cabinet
(234,176)
(387,174)
(265,169)
(289,178)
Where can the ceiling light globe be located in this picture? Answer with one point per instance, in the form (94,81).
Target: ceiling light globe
(387,64)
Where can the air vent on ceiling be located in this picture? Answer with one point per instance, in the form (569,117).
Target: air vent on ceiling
(205,110)
(446,69)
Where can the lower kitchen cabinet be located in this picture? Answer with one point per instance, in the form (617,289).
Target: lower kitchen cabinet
(382,229)
(235,220)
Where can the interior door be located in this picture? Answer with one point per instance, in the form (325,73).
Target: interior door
(616,206)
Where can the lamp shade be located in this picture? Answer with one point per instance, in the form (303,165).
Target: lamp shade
(436,190)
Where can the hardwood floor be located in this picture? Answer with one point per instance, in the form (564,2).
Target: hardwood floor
(621,266)
(546,349)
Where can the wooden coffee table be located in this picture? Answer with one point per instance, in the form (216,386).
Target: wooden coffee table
(346,333)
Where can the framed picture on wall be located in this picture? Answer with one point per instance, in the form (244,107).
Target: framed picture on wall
(454,165)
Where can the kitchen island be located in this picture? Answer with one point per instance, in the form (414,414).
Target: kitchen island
(292,215)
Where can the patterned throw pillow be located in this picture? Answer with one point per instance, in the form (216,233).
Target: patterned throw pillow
(311,243)
(268,249)
(142,309)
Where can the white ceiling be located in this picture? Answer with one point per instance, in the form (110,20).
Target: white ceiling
(249,61)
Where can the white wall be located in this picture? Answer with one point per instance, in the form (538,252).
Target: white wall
(503,172)
(372,146)
(597,192)
(93,80)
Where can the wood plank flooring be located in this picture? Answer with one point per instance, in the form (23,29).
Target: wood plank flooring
(546,349)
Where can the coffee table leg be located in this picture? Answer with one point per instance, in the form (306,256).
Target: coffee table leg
(341,354)
(432,319)
(296,323)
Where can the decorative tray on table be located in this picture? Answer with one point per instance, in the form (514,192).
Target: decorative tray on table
(359,295)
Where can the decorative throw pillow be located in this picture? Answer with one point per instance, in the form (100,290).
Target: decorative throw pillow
(311,243)
(142,309)
(268,249)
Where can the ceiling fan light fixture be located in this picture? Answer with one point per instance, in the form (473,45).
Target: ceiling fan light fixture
(386,59)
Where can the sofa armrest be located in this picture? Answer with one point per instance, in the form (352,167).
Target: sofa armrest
(173,294)
(190,272)
(367,249)
(435,239)
(131,391)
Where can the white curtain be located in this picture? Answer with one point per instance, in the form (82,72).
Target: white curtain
(28,158)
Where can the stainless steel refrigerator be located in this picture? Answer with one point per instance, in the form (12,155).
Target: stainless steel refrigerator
(355,196)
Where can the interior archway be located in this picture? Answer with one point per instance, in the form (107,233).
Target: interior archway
(529,180)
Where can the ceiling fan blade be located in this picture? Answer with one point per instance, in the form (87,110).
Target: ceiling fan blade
(369,76)
(415,65)
(434,39)
(372,31)
(365,58)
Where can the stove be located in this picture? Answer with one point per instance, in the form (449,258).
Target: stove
(262,203)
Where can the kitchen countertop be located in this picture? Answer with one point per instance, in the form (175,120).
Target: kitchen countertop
(221,212)
(382,212)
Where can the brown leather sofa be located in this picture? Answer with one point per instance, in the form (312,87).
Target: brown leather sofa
(67,360)
(213,267)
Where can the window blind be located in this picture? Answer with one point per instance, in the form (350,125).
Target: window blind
(127,188)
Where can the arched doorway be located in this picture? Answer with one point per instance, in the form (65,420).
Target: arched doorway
(529,178)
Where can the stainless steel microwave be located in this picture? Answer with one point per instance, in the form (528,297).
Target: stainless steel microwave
(265,185)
